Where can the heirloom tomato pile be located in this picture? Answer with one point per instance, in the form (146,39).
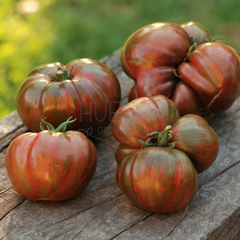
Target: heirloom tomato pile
(84,89)
(56,160)
(182,77)
(183,63)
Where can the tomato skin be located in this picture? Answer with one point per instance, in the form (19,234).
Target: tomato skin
(123,151)
(158,178)
(51,166)
(203,82)
(197,31)
(157,44)
(142,116)
(133,94)
(201,145)
(213,72)
(91,95)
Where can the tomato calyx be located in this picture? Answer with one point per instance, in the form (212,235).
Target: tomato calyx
(61,128)
(61,74)
(191,49)
(213,40)
(159,139)
(195,45)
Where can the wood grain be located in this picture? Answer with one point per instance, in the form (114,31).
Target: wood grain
(102,211)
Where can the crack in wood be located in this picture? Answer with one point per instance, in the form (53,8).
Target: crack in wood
(82,230)
(77,235)
(74,215)
(141,220)
(64,234)
(220,173)
(11,132)
(181,220)
(3,191)
(12,209)
(4,143)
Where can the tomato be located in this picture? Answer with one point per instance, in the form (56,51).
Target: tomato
(213,72)
(157,44)
(85,89)
(197,32)
(133,94)
(200,80)
(161,153)
(51,165)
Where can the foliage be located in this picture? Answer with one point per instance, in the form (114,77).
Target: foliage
(66,30)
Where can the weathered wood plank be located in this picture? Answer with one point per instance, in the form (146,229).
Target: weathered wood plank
(102,211)
(9,124)
(215,205)
(9,200)
(8,139)
(113,61)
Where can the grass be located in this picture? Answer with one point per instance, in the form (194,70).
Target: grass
(65,30)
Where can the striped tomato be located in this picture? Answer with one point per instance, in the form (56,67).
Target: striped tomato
(52,164)
(176,61)
(161,153)
(198,33)
(85,89)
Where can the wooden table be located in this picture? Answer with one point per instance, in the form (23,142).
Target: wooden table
(102,211)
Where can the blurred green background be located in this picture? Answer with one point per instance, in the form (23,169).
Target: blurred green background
(35,32)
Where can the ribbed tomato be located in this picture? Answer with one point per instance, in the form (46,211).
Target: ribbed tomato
(157,44)
(201,80)
(85,89)
(51,165)
(160,153)
(213,72)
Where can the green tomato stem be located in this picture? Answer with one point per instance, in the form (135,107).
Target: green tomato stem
(61,128)
(216,39)
(61,74)
(195,45)
(159,139)
(191,49)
